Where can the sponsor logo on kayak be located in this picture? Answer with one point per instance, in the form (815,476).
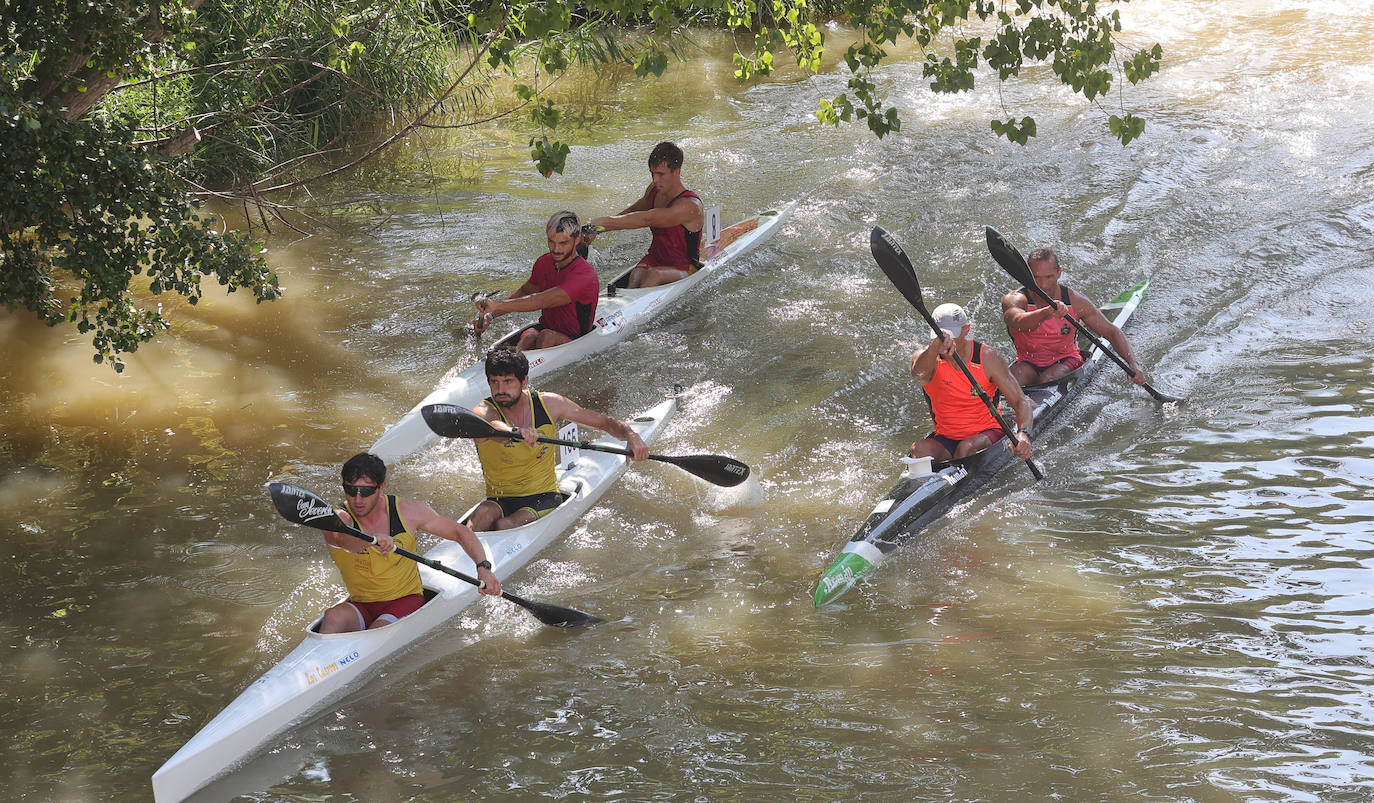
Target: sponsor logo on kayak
(611,324)
(313,676)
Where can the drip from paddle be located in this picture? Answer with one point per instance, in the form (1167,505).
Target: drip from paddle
(298,505)
(452,421)
(1011,261)
(893,261)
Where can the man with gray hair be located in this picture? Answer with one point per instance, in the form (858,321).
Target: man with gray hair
(563,286)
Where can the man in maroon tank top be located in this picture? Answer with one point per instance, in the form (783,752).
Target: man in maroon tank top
(672,212)
(1046,344)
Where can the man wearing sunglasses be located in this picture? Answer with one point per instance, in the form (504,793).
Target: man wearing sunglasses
(521,482)
(383,586)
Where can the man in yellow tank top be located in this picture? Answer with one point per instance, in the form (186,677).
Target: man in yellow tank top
(383,586)
(521,482)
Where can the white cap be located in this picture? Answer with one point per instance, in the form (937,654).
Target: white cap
(951,318)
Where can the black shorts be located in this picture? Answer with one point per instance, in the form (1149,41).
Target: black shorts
(994,434)
(538,504)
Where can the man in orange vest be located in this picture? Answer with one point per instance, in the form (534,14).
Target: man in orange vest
(963,423)
(1046,344)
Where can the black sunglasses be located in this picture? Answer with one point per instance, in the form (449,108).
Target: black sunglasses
(360,490)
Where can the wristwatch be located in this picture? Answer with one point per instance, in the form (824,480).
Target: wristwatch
(1023,431)
(485,564)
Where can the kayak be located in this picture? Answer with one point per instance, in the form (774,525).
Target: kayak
(927,490)
(619,312)
(324,667)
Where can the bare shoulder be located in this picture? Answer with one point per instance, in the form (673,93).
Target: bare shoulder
(557,405)
(992,359)
(1077,299)
(415,512)
(484,410)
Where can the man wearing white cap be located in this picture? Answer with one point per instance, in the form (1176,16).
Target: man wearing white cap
(963,423)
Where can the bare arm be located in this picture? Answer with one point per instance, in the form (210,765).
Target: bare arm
(423,517)
(678,213)
(525,300)
(493,417)
(1093,318)
(996,369)
(923,362)
(1016,317)
(568,410)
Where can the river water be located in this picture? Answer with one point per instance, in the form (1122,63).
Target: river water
(1180,611)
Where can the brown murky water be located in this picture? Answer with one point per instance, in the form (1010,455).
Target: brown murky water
(1181,611)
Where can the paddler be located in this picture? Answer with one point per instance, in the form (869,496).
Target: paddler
(1046,343)
(672,212)
(521,483)
(563,286)
(963,423)
(383,586)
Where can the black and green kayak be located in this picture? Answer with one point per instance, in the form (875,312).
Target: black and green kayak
(927,490)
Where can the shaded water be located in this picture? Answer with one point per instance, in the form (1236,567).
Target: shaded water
(1179,612)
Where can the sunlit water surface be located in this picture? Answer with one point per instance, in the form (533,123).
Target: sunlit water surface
(1180,611)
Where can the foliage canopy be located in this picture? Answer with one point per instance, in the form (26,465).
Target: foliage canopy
(118,118)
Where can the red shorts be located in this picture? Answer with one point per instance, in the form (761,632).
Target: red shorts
(391,610)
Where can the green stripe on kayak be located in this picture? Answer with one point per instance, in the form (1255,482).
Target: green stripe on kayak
(1125,295)
(847,570)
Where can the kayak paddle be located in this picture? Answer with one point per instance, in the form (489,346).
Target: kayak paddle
(298,505)
(893,261)
(452,421)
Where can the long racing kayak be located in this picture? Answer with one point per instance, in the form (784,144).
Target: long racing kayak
(926,491)
(619,312)
(313,677)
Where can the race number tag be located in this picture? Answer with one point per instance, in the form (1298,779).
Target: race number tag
(710,232)
(567,454)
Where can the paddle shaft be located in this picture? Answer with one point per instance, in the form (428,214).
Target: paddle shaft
(595,447)
(714,469)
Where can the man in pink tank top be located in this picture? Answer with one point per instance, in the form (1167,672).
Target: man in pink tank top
(1046,343)
(672,212)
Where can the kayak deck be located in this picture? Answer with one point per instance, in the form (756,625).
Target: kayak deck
(619,312)
(324,666)
(921,497)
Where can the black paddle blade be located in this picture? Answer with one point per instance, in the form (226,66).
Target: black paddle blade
(1009,258)
(895,264)
(298,505)
(558,616)
(452,421)
(726,472)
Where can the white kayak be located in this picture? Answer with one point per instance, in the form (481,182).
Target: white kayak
(318,672)
(619,311)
